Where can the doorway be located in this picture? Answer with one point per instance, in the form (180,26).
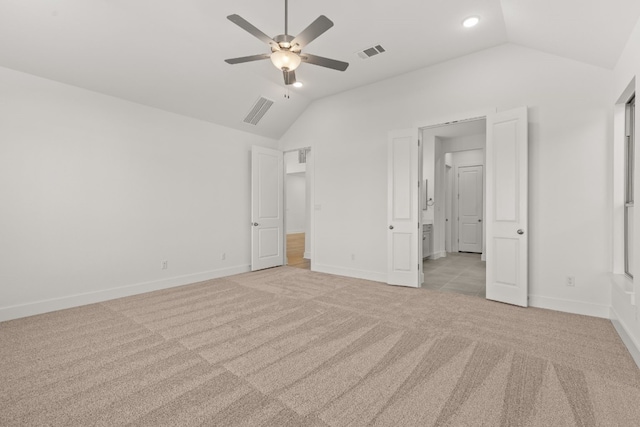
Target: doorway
(297,185)
(453,160)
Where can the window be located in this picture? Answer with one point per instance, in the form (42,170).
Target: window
(628,188)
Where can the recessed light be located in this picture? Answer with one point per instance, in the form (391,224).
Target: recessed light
(297,84)
(471,21)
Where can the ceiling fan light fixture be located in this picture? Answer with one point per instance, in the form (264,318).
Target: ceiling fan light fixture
(285,60)
(471,21)
(298,84)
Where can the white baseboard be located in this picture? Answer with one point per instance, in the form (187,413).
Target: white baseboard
(483,257)
(54,304)
(569,306)
(351,272)
(438,255)
(632,345)
(306,255)
(295,231)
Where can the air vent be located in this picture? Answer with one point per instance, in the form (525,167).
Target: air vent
(372,51)
(260,108)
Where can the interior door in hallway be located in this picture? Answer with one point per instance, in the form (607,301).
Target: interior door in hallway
(470,209)
(267,216)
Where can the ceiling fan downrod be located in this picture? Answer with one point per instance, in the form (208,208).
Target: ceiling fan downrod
(286,17)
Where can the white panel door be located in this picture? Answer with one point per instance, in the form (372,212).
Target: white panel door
(267,218)
(506,221)
(470,209)
(403,228)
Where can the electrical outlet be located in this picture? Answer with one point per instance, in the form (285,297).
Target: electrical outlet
(164,265)
(223,256)
(571,280)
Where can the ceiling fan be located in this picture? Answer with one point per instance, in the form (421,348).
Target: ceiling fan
(286,51)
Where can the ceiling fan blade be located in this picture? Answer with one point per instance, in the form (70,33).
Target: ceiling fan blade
(289,77)
(324,62)
(313,31)
(247,26)
(242,59)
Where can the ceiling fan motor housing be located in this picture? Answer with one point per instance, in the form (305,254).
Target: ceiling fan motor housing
(284,41)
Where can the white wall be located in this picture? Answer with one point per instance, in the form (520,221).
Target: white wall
(625,292)
(429,174)
(97,191)
(569,122)
(295,196)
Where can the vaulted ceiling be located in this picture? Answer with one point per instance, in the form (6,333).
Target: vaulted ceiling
(169,54)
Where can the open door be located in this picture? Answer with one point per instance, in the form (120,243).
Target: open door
(507,207)
(404,248)
(267,207)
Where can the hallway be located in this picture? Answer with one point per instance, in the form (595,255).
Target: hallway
(295,251)
(458,272)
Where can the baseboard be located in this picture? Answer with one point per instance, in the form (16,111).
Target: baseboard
(306,255)
(569,306)
(295,231)
(632,345)
(54,304)
(351,272)
(438,255)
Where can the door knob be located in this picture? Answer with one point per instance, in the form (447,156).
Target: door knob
(521,231)
(255,224)
(391,227)
(479,220)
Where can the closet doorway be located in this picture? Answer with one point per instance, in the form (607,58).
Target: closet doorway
(297,184)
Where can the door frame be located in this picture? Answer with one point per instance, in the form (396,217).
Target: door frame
(450,120)
(448,207)
(309,204)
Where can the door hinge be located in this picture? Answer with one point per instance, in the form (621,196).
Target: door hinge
(418,143)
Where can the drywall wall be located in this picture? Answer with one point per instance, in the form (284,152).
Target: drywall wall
(569,123)
(428,175)
(295,203)
(97,192)
(625,291)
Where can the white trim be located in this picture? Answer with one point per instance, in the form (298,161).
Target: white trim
(306,255)
(54,304)
(296,231)
(570,306)
(457,117)
(351,272)
(632,345)
(438,255)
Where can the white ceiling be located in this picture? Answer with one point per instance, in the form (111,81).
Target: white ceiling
(170,54)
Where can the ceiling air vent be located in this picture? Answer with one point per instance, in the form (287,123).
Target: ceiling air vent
(372,51)
(259,109)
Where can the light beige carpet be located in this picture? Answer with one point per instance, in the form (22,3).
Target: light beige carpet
(289,347)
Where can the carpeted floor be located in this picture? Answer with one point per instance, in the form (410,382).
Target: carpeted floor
(290,347)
